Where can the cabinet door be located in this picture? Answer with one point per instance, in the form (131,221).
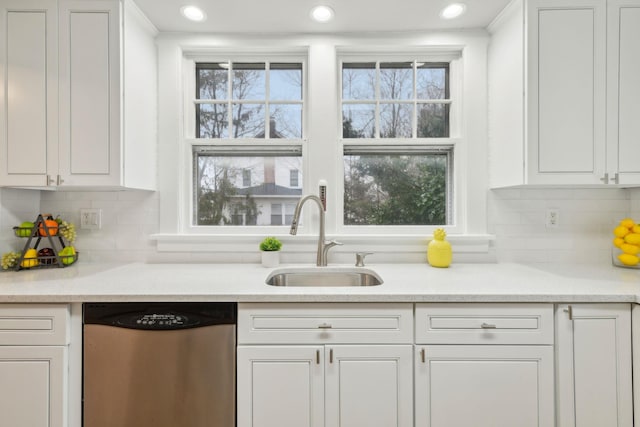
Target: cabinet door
(90,93)
(484,386)
(33,386)
(623,90)
(280,386)
(594,365)
(28,92)
(566,43)
(369,385)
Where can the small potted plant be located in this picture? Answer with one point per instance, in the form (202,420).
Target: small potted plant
(270,248)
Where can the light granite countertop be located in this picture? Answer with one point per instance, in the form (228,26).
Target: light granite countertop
(502,282)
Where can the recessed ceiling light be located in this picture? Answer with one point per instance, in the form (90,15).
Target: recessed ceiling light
(453,11)
(193,13)
(322,13)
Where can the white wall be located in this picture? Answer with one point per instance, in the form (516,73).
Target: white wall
(584,234)
(128,219)
(16,206)
(516,217)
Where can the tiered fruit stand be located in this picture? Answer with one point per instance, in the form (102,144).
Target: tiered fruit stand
(43,229)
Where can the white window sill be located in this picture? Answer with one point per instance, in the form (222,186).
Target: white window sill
(233,243)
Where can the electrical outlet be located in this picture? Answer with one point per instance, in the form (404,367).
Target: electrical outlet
(90,219)
(552,218)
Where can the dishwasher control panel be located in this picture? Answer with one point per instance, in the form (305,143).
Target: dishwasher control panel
(159,316)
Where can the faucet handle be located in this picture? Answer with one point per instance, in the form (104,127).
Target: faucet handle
(360,258)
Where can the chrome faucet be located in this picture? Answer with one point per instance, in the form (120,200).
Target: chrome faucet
(323,244)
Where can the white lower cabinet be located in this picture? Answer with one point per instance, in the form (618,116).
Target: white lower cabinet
(296,367)
(594,365)
(484,386)
(33,365)
(32,389)
(484,365)
(280,386)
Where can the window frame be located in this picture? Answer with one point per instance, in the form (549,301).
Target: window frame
(455,140)
(256,146)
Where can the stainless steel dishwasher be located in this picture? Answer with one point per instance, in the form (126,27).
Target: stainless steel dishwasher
(159,365)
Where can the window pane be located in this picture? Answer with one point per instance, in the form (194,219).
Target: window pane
(212,121)
(395,189)
(359,81)
(432,81)
(212,81)
(433,120)
(276,214)
(220,198)
(358,121)
(248,121)
(289,210)
(395,120)
(248,81)
(396,80)
(286,121)
(285,82)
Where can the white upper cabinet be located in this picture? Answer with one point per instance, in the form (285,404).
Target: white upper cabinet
(92,53)
(28,91)
(555,98)
(623,86)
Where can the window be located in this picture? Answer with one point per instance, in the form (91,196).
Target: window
(246,178)
(398,156)
(249,100)
(220,198)
(293,178)
(248,141)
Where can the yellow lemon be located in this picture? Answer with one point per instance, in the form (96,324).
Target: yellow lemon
(620,231)
(627,222)
(630,249)
(30,259)
(618,241)
(636,228)
(628,259)
(632,238)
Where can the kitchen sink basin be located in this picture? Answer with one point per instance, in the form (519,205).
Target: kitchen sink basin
(324,276)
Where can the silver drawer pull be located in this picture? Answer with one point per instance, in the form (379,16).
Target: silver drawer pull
(488,326)
(325,326)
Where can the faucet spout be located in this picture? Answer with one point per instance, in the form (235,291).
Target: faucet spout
(323,245)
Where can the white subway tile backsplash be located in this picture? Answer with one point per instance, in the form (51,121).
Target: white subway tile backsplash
(515,216)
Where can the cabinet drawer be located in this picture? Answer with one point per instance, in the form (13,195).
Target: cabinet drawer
(27,324)
(324,323)
(484,323)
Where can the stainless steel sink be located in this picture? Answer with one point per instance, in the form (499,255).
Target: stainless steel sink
(324,276)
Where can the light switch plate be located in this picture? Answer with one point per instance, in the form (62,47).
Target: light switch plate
(90,219)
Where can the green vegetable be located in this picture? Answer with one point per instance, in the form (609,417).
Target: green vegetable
(270,244)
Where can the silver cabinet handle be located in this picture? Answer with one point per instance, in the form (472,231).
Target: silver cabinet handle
(605,178)
(488,326)
(569,311)
(325,326)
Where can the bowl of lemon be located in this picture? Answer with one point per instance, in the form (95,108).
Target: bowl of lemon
(626,244)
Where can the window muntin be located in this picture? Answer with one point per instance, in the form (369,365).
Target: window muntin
(221,199)
(395,100)
(240,100)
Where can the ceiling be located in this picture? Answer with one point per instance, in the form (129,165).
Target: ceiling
(292,16)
